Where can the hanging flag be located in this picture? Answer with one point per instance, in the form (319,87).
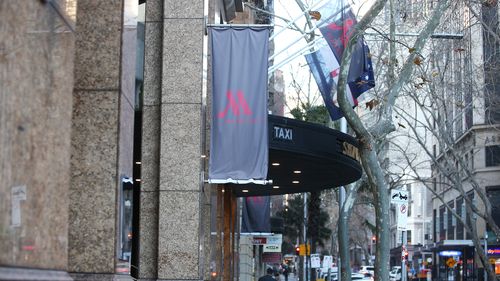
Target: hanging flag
(337,31)
(324,68)
(239,135)
(255,214)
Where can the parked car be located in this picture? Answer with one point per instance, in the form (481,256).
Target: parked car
(367,269)
(395,273)
(359,277)
(333,274)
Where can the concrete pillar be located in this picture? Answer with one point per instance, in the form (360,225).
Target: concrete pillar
(36,78)
(101,137)
(150,157)
(170,218)
(180,140)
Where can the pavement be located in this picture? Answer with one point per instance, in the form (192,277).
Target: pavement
(291,277)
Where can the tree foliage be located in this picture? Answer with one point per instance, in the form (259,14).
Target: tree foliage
(293,221)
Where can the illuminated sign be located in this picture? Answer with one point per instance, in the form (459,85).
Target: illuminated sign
(282,133)
(259,240)
(494,251)
(450,253)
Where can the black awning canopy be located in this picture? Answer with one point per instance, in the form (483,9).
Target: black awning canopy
(305,157)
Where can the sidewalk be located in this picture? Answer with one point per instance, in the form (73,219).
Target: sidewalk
(291,277)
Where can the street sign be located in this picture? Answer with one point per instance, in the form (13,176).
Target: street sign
(399,196)
(275,239)
(259,240)
(402,210)
(272,248)
(315,261)
(450,262)
(327,263)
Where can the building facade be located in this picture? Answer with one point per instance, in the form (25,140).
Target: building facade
(103,131)
(466,170)
(74,138)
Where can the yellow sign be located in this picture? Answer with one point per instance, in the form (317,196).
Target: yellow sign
(451,262)
(493,261)
(302,250)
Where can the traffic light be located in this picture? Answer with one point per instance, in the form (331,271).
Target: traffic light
(404,255)
(297,250)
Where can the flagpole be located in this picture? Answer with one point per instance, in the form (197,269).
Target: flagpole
(343,129)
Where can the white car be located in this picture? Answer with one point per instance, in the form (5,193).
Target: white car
(395,274)
(333,276)
(358,277)
(367,269)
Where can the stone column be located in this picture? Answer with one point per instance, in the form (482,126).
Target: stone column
(101,138)
(180,138)
(36,82)
(150,157)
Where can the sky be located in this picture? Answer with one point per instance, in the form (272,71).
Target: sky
(286,45)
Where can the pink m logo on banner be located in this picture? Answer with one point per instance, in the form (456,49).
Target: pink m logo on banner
(236,105)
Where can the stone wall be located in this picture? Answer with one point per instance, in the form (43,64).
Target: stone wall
(36,80)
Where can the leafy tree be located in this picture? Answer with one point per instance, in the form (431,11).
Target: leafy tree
(293,220)
(311,113)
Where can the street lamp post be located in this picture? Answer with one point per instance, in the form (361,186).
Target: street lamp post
(486,254)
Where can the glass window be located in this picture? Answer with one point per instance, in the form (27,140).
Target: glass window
(449,221)
(468,219)
(434,225)
(493,194)
(460,211)
(442,230)
(472,159)
(491,55)
(492,155)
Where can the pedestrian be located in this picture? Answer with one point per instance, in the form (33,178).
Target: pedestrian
(268,276)
(285,272)
(277,275)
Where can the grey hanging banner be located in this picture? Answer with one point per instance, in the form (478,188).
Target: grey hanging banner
(239,141)
(255,216)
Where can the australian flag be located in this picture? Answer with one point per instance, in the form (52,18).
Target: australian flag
(324,63)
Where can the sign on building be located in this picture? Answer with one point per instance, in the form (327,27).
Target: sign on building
(275,239)
(272,248)
(315,261)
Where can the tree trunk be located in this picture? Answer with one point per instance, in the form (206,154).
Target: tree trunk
(343,234)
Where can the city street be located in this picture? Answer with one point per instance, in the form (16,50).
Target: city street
(214,140)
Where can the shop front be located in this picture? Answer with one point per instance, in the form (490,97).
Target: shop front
(494,258)
(454,261)
(422,263)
